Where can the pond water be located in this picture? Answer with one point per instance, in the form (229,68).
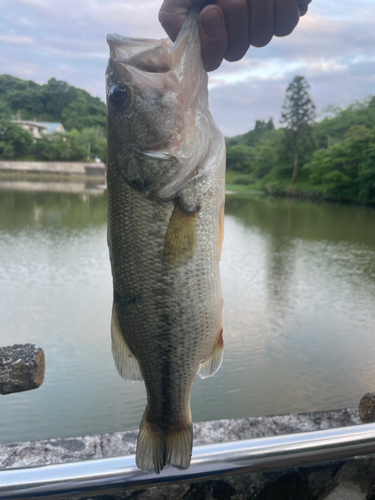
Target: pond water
(299,312)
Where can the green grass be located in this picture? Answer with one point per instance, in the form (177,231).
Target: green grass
(230,175)
(241,189)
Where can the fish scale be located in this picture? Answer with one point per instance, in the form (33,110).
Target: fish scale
(164,234)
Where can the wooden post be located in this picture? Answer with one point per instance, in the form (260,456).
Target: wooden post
(21,368)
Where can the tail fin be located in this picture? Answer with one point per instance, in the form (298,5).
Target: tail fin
(157,448)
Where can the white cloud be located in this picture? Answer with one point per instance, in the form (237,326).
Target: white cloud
(21,21)
(333,46)
(16,40)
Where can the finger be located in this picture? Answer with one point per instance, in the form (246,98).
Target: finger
(261,22)
(286,16)
(213,35)
(173,13)
(236,16)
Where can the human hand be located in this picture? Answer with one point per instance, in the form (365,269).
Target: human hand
(228,27)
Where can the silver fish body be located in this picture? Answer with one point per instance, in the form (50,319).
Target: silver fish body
(166,181)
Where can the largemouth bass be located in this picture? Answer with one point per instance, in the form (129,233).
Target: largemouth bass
(166,181)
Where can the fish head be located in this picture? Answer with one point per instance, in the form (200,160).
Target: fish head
(157,110)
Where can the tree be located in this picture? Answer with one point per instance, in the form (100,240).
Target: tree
(239,158)
(298,115)
(55,101)
(14,140)
(346,170)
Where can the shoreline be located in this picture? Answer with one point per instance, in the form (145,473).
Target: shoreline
(238,189)
(52,168)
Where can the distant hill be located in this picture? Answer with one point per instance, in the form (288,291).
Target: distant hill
(56,101)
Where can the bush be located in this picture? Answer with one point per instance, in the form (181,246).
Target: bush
(243,179)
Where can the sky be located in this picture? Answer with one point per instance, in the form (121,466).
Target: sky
(333,47)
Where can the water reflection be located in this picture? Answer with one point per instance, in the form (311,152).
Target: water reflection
(299,312)
(309,220)
(32,210)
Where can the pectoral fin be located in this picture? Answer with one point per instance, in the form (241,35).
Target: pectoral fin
(181,238)
(211,365)
(126,363)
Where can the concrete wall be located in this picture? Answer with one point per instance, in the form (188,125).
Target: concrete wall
(339,480)
(46,167)
(84,187)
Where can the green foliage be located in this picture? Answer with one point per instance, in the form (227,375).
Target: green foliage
(334,127)
(298,108)
(73,146)
(14,140)
(336,155)
(230,175)
(243,179)
(261,131)
(257,151)
(56,101)
(82,116)
(346,170)
(298,114)
(239,157)
(303,142)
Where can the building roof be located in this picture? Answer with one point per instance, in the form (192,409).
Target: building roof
(52,127)
(30,122)
(48,127)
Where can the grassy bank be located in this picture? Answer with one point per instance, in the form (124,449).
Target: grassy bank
(236,184)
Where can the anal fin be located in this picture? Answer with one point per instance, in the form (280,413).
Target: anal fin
(211,365)
(126,363)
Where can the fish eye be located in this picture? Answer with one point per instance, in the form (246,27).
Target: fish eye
(117,95)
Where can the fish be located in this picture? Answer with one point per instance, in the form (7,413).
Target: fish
(166,192)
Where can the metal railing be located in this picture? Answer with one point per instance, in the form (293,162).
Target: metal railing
(115,474)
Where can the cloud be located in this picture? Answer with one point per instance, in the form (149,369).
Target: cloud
(17,40)
(236,108)
(333,46)
(21,21)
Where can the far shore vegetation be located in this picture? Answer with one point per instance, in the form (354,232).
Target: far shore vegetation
(331,158)
(82,115)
